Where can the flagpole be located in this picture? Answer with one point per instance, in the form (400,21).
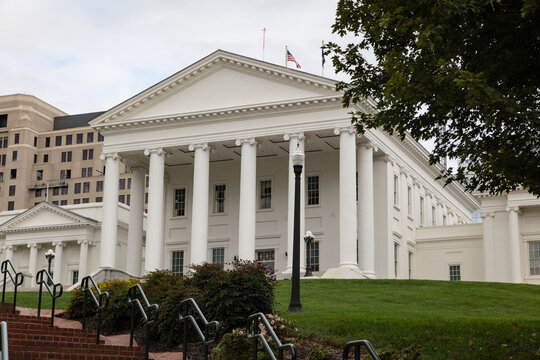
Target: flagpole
(322,64)
(264,30)
(285,55)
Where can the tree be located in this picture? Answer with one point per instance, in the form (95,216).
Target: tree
(464,72)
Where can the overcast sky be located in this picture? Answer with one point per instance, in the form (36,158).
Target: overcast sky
(84,56)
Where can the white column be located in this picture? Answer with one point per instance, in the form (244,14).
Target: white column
(83,258)
(248,199)
(366,215)
(489,246)
(109,225)
(58,259)
(32,262)
(199,214)
(515,258)
(154,222)
(296,140)
(347,201)
(136,218)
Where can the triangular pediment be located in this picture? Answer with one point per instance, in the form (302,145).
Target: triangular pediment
(45,215)
(220,81)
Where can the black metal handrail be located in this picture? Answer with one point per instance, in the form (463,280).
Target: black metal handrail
(54,294)
(184,317)
(357,344)
(132,299)
(19,278)
(253,324)
(99,303)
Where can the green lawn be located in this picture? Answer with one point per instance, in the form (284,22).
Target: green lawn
(30,300)
(449,320)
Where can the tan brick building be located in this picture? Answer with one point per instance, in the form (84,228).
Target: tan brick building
(46,154)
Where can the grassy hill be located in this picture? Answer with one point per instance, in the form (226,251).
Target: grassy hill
(448,320)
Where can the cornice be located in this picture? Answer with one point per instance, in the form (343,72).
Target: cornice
(48,227)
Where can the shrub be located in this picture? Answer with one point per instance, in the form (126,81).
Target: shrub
(320,353)
(236,346)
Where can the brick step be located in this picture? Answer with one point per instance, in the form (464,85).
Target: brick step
(41,336)
(44,329)
(32,352)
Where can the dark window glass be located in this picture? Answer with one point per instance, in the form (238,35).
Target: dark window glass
(11,205)
(91,154)
(85,154)
(35,158)
(146,198)
(35,141)
(56,191)
(89,172)
(38,192)
(13,174)
(6,142)
(77,188)
(179,202)
(12,190)
(99,199)
(1,176)
(17,138)
(69,156)
(121,198)
(3,120)
(55,202)
(63,202)
(14,156)
(83,172)
(129,183)
(39,175)
(58,141)
(99,186)
(85,200)
(128,199)
(122,184)
(64,191)
(47,142)
(69,139)
(99,137)
(90,137)
(77,201)
(45,158)
(79,138)
(3,159)
(86,187)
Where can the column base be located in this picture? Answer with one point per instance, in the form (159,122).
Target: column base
(344,272)
(369,274)
(288,272)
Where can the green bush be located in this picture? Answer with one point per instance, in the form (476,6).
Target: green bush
(236,346)
(320,353)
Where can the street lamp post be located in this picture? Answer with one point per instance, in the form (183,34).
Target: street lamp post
(49,255)
(297,161)
(308,238)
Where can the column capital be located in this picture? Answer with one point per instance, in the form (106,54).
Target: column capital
(33,245)
(110,155)
(403,171)
(490,214)
(295,135)
(59,243)
(368,144)
(513,208)
(204,146)
(156,150)
(388,158)
(415,181)
(85,241)
(250,141)
(350,129)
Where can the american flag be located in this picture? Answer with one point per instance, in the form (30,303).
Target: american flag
(290,57)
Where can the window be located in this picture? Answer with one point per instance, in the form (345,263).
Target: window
(1,176)
(409,201)
(396,248)
(35,158)
(79,138)
(218,256)
(69,139)
(265,196)
(83,172)
(314,256)
(86,187)
(63,202)
(267,258)
(90,137)
(85,200)
(76,201)
(129,183)
(66,156)
(99,137)
(35,141)
(65,174)
(121,184)
(47,142)
(121,198)
(46,158)
(14,156)
(38,192)
(12,190)
(13,174)
(421,211)
(179,202)
(3,120)
(433,216)
(177,262)
(396,190)
(39,175)
(219,198)
(58,141)
(16,139)
(89,172)
(6,142)
(99,199)
(55,202)
(313,190)
(147,181)
(3,159)
(77,188)
(56,191)
(88,154)
(534,257)
(410,265)
(64,190)
(74,277)
(11,205)
(146,198)
(455,272)
(99,186)
(128,199)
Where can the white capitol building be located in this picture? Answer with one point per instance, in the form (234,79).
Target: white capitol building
(215,140)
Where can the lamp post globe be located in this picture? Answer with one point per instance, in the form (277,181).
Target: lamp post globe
(49,255)
(295,306)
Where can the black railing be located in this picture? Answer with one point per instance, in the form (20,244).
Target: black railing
(357,344)
(148,318)
(99,303)
(7,268)
(252,333)
(203,335)
(54,293)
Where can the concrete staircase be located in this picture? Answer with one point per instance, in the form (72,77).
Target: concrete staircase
(30,337)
